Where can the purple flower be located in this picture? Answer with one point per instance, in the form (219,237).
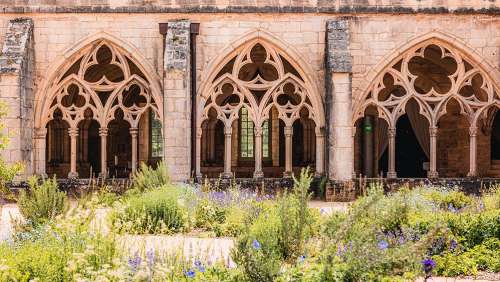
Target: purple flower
(481,206)
(428,265)
(256,245)
(150,256)
(190,273)
(383,245)
(453,245)
(199,266)
(452,208)
(134,262)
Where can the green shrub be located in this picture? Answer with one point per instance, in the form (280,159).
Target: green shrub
(450,199)
(156,211)
(209,215)
(483,257)
(149,178)
(42,202)
(474,228)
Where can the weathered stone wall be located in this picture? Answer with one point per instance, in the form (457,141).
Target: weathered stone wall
(243,6)
(17,91)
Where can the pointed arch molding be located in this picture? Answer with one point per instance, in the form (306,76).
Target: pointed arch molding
(432,104)
(305,86)
(52,84)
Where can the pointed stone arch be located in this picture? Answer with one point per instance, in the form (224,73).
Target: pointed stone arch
(285,67)
(103,69)
(468,69)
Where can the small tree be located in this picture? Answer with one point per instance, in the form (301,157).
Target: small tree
(7,171)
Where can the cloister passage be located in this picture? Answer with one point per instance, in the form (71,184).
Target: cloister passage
(259,116)
(430,113)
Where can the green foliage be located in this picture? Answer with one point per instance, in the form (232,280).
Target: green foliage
(42,202)
(158,211)
(484,256)
(474,228)
(450,199)
(209,215)
(149,178)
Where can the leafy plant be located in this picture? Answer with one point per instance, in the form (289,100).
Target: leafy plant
(149,178)
(155,211)
(42,202)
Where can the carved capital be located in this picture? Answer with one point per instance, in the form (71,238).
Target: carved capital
(257,131)
(134,131)
(73,132)
(391,132)
(103,131)
(288,131)
(228,131)
(40,133)
(433,131)
(320,132)
(473,131)
(199,132)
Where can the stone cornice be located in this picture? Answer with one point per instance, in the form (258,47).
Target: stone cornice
(269,6)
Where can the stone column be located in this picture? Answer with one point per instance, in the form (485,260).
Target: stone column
(320,151)
(103,132)
(133,133)
(338,100)
(17,84)
(228,130)
(258,173)
(199,132)
(433,131)
(473,151)
(40,145)
(177,100)
(391,171)
(288,131)
(73,134)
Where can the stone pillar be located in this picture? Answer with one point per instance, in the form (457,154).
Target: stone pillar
(391,134)
(433,131)
(73,135)
(320,151)
(177,100)
(103,132)
(199,132)
(17,74)
(228,130)
(258,173)
(338,100)
(288,131)
(133,134)
(40,145)
(473,151)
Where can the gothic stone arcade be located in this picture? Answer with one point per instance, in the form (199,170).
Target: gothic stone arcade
(253,92)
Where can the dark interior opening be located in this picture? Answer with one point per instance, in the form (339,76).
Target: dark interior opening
(495,138)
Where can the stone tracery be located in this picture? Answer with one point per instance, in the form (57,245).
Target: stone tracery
(98,85)
(409,78)
(260,80)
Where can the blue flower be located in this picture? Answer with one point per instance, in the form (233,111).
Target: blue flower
(199,266)
(190,273)
(256,244)
(428,265)
(383,245)
(452,208)
(302,258)
(481,206)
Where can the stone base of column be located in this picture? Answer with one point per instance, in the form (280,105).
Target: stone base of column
(432,174)
(73,175)
(472,174)
(287,174)
(102,175)
(227,175)
(258,174)
(392,174)
(42,175)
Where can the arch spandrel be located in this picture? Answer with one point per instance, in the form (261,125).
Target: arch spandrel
(273,59)
(432,101)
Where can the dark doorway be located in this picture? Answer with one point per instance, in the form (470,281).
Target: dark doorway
(119,153)
(495,138)
(94,147)
(410,157)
